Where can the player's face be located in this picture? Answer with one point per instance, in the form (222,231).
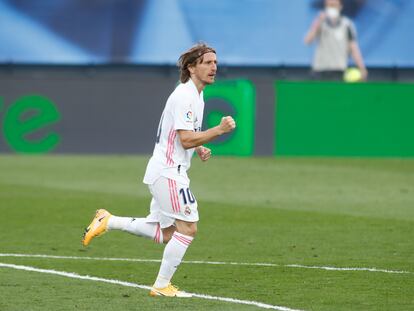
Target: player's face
(206,71)
(333,4)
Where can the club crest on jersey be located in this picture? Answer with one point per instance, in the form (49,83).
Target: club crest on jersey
(189,116)
(187,211)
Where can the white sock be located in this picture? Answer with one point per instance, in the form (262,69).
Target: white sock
(173,254)
(137,226)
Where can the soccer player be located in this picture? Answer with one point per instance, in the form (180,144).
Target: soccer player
(173,211)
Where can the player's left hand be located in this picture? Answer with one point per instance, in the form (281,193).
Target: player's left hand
(204,153)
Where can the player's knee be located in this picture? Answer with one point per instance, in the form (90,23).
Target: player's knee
(186,228)
(192,231)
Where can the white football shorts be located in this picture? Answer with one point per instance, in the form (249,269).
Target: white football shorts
(171,200)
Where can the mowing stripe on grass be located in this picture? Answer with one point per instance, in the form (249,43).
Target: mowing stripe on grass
(128,284)
(260,264)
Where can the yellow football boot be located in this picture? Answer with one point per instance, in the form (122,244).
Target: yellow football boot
(169,291)
(97,227)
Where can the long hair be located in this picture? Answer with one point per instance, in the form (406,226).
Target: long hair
(191,57)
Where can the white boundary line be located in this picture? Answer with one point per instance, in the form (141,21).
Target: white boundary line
(128,284)
(351,269)
(260,264)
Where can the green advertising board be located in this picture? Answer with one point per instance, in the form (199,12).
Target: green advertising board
(238,99)
(338,119)
(26,117)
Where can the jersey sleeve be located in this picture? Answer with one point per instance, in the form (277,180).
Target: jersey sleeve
(352,34)
(183,115)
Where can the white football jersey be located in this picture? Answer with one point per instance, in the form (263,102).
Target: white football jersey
(183,111)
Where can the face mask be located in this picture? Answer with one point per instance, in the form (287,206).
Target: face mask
(332,13)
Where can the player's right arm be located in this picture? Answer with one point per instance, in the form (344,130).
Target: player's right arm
(191,139)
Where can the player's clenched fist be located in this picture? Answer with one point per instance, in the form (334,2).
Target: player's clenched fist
(204,153)
(227,124)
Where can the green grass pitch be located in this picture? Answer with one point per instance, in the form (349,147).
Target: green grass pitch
(356,213)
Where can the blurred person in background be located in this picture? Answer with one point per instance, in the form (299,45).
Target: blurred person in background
(336,38)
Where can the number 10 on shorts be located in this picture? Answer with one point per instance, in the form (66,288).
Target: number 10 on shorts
(187,196)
